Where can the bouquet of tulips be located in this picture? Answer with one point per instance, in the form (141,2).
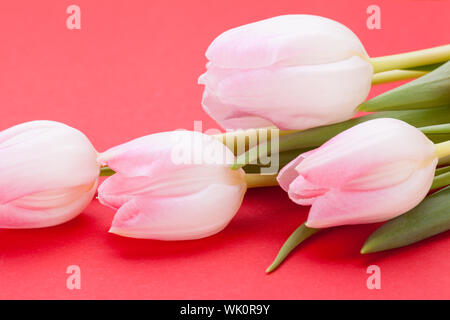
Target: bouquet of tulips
(287,90)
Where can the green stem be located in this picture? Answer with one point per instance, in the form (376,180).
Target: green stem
(436,129)
(254,180)
(441,180)
(298,236)
(411,59)
(396,75)
(442,170)
(241,140)
(404,74)
(442,149)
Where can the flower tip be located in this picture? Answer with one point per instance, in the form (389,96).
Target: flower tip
(115,231)
(310,224)
(360,107)
(367,248)
(364,107)
(271,268)
(125,233)
(321,223)
(201,79)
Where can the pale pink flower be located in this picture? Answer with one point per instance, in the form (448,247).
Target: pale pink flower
(171,186)
(48,174)
(371,172)
(293,71)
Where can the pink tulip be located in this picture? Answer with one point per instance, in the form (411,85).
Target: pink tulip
(371,172)
(293,71)
(48,174)
(171,186)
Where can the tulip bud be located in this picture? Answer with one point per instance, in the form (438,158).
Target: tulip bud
(48,174)
(293,71)
(371,172)
(171,186)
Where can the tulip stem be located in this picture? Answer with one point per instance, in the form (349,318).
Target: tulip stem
(396,75)
(241,140)
(411,59)
(298,236)
(442,149)
(441,180)
(260,180)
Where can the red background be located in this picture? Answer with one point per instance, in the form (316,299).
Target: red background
(132,70)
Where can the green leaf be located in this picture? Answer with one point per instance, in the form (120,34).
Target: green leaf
(437,133)
(315,137)
(298,236)
(106,172)
(437,129)
(437,138)
(441,180)
(430,90)
(428,67)
(403,74)
(444,161)
(429,218)
(442,170)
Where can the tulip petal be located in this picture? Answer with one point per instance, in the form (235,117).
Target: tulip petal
(159,197)
(160,152)
(179,218)
(288,173)
(284,40)
(291,71)
(342,207)
(150,166)
(48,209)
(361,154)
(302,192)
(37,156)
(307,96)
(171,182)
(229,116)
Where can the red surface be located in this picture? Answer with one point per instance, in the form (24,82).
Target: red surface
(132,70)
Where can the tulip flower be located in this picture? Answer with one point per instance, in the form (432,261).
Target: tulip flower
(293,71)
(371,172)
(171,186)
(48,174)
